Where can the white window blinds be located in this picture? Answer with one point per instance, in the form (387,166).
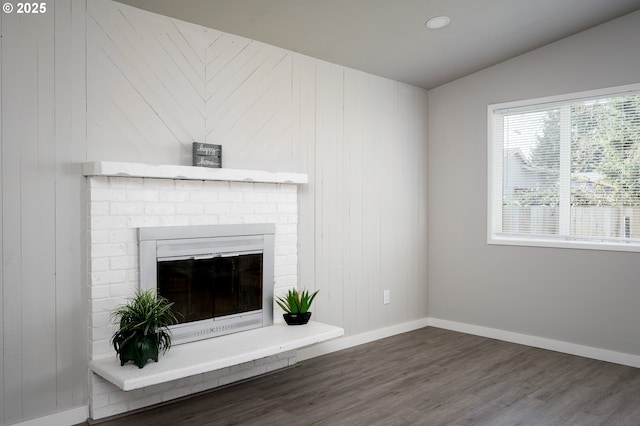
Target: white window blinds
(566,170)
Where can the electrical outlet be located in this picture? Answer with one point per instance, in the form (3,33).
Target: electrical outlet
(385,297)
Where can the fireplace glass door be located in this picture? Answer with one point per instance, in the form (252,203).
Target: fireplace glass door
(215,287)
(219,277)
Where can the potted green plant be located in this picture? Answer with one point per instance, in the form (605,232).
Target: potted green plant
(296,306)
(142,328)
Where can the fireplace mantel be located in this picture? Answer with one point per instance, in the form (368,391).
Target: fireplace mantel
(112,168)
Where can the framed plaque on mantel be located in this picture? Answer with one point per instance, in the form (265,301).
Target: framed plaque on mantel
(207,155)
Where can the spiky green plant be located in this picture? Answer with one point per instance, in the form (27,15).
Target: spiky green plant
(142,328)
(296,302)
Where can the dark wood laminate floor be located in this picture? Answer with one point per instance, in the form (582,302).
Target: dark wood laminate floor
(425,377)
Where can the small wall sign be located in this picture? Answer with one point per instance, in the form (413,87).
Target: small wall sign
(207,155)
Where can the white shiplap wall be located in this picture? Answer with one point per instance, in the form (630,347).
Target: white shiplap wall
(43,303)
(153,85)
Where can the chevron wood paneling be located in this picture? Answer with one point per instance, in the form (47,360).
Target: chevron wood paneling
(146,85)
(249,101)
(156,85)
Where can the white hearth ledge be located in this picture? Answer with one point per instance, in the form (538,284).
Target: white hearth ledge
(208,355)
(112,168)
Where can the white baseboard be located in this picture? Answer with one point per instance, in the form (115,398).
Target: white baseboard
(493,333)
(538,342)
(63,418)
(358,339)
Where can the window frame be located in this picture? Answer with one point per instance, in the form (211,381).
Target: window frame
(495,236)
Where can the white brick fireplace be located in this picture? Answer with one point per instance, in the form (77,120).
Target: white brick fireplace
(123,197)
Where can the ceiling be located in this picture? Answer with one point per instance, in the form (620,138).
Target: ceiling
(389,38)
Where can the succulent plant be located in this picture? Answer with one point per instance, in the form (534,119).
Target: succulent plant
(296,302)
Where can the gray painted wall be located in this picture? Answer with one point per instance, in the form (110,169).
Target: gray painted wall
(580,296)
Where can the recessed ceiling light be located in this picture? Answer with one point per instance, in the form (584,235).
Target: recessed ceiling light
(438,22)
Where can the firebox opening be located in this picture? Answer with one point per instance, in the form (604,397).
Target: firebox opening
(219,277)
(208,288)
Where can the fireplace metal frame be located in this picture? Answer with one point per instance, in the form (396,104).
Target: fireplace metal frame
(180,242)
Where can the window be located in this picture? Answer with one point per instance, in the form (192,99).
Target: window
(565,171)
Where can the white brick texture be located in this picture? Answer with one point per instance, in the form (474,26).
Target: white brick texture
(117,206)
